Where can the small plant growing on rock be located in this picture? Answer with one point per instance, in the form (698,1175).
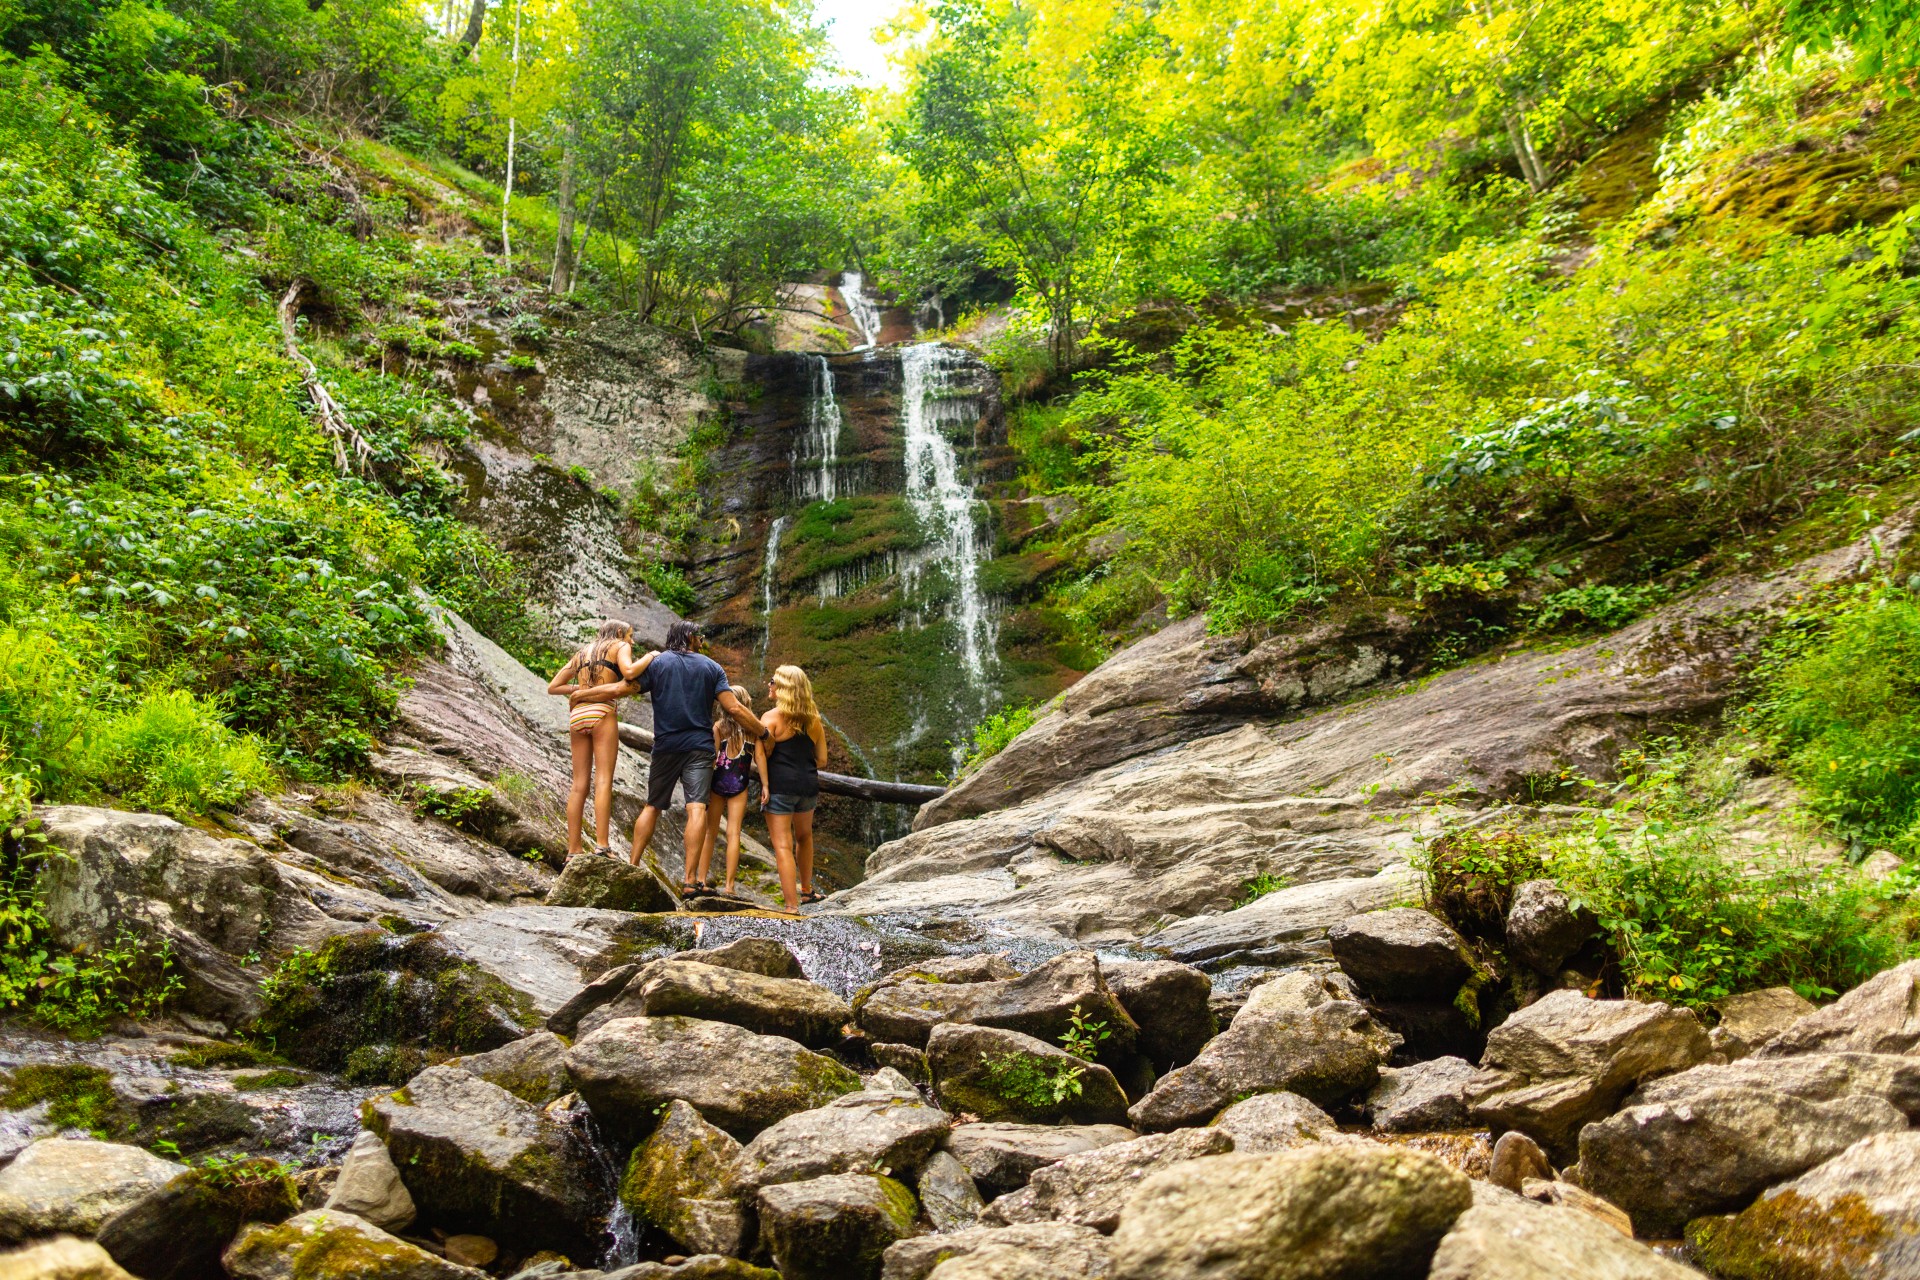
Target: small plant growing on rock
(1083,1036)
(1260,886)
(455,806)
(1034,1081)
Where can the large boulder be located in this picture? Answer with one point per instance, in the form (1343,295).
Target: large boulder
(610,884)
(1881,1015)
(874,1131)
(1545,927)
(684,1180)
(1003,1075)
(370,1186)
(324,1244)
(1346,1211)
(1001,1157)
(179,1231)
(768,957)
(1171,1004)
(1817,1077)
(1402,953)
(1054,1250)
(1565,1061)
(1752,1018)
(1292,1034)
(1856,1217)
(1423,1097)
(1668,1162)
(1286,926)
(1270,1122)
(1041,1003)
(790,1007)
(547,954)
(834,1228)
(475,1158)
(631,1067)
(1092,1188)
(61,1258)
(72,1186)
(948,1195)
(1503,1237)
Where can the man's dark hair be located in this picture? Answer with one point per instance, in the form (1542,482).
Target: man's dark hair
(681,635)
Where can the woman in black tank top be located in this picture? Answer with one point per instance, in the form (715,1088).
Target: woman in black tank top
(790,761)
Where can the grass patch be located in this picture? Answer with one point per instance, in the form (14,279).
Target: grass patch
(992,735)
(1260,886)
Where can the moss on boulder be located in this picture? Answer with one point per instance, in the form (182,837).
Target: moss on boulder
(327,1245)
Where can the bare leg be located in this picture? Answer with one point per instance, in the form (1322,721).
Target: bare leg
(643,832)
(780,829)
(736,820)
(606,756)
(699,846)
(715,804)
(582,744)
(803,849)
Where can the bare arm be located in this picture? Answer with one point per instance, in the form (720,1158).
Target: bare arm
(741,716)
(760,762)
(563,682)
(819,735)
(602,693)
(629,669)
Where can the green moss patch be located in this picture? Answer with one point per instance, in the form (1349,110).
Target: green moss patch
(846,531)
(79,1097)
(279,1078)
(225,1054)
(1790,1237)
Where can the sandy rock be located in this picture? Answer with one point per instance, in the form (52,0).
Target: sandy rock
(611,884)
(1091,1189)
(1665,1163)
(866,1132)
(1039,1003)
(1326,1053)
(948,1194)
(1856,1217)
(1423,1097)
(1053,1250)
(685,1180)
(1505,1237)
(1569,1196)
(476,1158)
(1565,1061)
(790,1007)
(737,1080)
(369,1186)
(1301,1215)
(1881,1015)
(1002,1157)
(1402,953)
(326,1244)
(1544,928)
(61,1258)
(1003,1075)
(1752,1018)
(834,1228)
(1170,1003)
(1517,1160)
(61,1185)
(532,1068)
(1273,1122)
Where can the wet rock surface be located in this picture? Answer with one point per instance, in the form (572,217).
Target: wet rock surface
(684,1181)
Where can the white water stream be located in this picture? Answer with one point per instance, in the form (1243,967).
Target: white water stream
(860,308)
(941,500)
(819,450)
(778,527)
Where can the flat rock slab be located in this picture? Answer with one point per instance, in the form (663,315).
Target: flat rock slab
(1091,1189)
(549,953)
(1042,1003)
(869,1131)
(66,1186)
(1283,927)
(1001,1157)
(790,1007)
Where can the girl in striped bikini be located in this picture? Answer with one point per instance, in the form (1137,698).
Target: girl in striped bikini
(593,728)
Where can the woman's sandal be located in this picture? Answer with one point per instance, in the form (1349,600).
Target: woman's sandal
(688,888)
(812,895)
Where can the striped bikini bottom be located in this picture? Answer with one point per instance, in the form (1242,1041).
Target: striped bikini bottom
(584,717)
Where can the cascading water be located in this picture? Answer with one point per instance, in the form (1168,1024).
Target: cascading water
(818,459)
(774,531)
(942,501)
(860,308)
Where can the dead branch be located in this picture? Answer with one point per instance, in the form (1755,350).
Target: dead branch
(351,452)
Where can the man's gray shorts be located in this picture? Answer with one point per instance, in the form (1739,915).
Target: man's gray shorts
(693,770)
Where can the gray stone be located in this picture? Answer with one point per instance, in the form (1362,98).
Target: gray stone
(1565,1061)
(1002,1157)
(1504,1237)
(1856,1217)
(62,1258)
(179,1231)
(1881,1015)
(991,966)
(602,991)
(1544,928)
(1273,1122)
(1752,1018)
(995,1074)
(867,1132)
(904,1058)
(1402,953)
(1665,1163)
(542,952)
(1030,1251)
(60,1186)
(701,1266)
(476,1158)
(325,1244)
(369,1186)
(685,1180)
(768,957)
(1817,1077)
(1170,1003)
(610,884)
(1351,1211)
(1092,1188)
(1423,1097)
(887,1080)
(1041,1003)
(1327,1052)
(532,1068)
(740,1081)
(790,1007)
(834,1228)
(947,1193)
(1517,1159)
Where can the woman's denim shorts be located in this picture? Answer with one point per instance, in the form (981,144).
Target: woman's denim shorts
(787,802)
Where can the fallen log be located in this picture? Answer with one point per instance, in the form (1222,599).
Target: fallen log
(872,790)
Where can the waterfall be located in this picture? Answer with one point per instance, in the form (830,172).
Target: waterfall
(940,499)
(778,527)
(865,316)
(820,444)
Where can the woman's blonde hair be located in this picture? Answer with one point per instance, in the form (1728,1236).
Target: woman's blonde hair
(612,634)
(736,736)
(793,694)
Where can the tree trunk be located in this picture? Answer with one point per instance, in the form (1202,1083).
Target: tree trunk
(562,279)
(476,18)
(351,452)
(1530,166)
(586,233)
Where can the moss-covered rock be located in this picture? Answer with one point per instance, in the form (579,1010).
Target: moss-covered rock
(611,884)
(1004,1075)
(532,1068)
(875,1130)
(179,1231)
(375,1007)
(834,1228)
(684,1180)
(327,1245)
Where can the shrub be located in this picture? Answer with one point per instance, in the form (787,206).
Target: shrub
(991,735)
(1471,875)
(670,586)
(170,752)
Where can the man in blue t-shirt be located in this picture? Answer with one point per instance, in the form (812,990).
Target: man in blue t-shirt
(684,683)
